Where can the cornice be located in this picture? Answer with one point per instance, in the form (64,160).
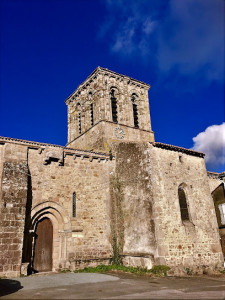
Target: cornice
(38,145)
(216,175)
(104,71)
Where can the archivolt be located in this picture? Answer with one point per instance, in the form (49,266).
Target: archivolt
(53,211)
(116,88)
(136,94)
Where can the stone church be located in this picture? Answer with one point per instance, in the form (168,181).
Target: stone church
(112,193)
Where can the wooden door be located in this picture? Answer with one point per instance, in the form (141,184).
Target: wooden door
(223,244)
(43,246)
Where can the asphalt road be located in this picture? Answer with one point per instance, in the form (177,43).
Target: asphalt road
(111,286)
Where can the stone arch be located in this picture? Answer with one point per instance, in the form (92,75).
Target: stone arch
(79,106)
(90,93)
(61,224)
(183,185)
(54,209)
(133,91)
(116,87)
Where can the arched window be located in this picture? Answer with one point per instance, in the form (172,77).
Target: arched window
(135,110)
(113,105)
(183,205)
(92,114)
(74,205)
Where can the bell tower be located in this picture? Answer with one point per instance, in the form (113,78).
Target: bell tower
(106,108)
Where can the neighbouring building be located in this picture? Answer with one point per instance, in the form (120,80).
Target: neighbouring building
(111,190)
(217,185)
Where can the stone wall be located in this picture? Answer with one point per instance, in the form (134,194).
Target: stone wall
(149,178)
(126,203)
(102,135)
(133,204)
(81,237)
(214,180)
(87,235)
(13,202)
(194,243)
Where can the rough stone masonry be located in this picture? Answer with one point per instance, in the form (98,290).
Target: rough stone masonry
(111,191)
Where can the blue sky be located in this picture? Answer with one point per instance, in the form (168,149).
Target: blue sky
(48,47)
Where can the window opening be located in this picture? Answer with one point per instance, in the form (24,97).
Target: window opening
(114,106)
(79,122)
(135,110)
(74,205)
(92,114)
(183,205)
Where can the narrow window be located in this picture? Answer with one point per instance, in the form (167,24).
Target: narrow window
(135,110)
(92,114)
(114,106)
(222,213)
(79,122)
(183,205)
(74,205)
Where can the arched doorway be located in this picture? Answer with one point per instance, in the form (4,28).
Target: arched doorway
(43,246)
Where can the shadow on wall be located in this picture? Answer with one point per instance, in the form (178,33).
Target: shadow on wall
(9,286)
(28,236)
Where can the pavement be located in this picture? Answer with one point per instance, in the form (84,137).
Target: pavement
(111,286)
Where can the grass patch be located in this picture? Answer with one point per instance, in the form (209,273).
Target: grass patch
(159,270)
(65,271)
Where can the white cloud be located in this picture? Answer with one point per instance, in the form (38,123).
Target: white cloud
(212,143)
(183,34)
(148,26)
(124,38)
(127,27)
